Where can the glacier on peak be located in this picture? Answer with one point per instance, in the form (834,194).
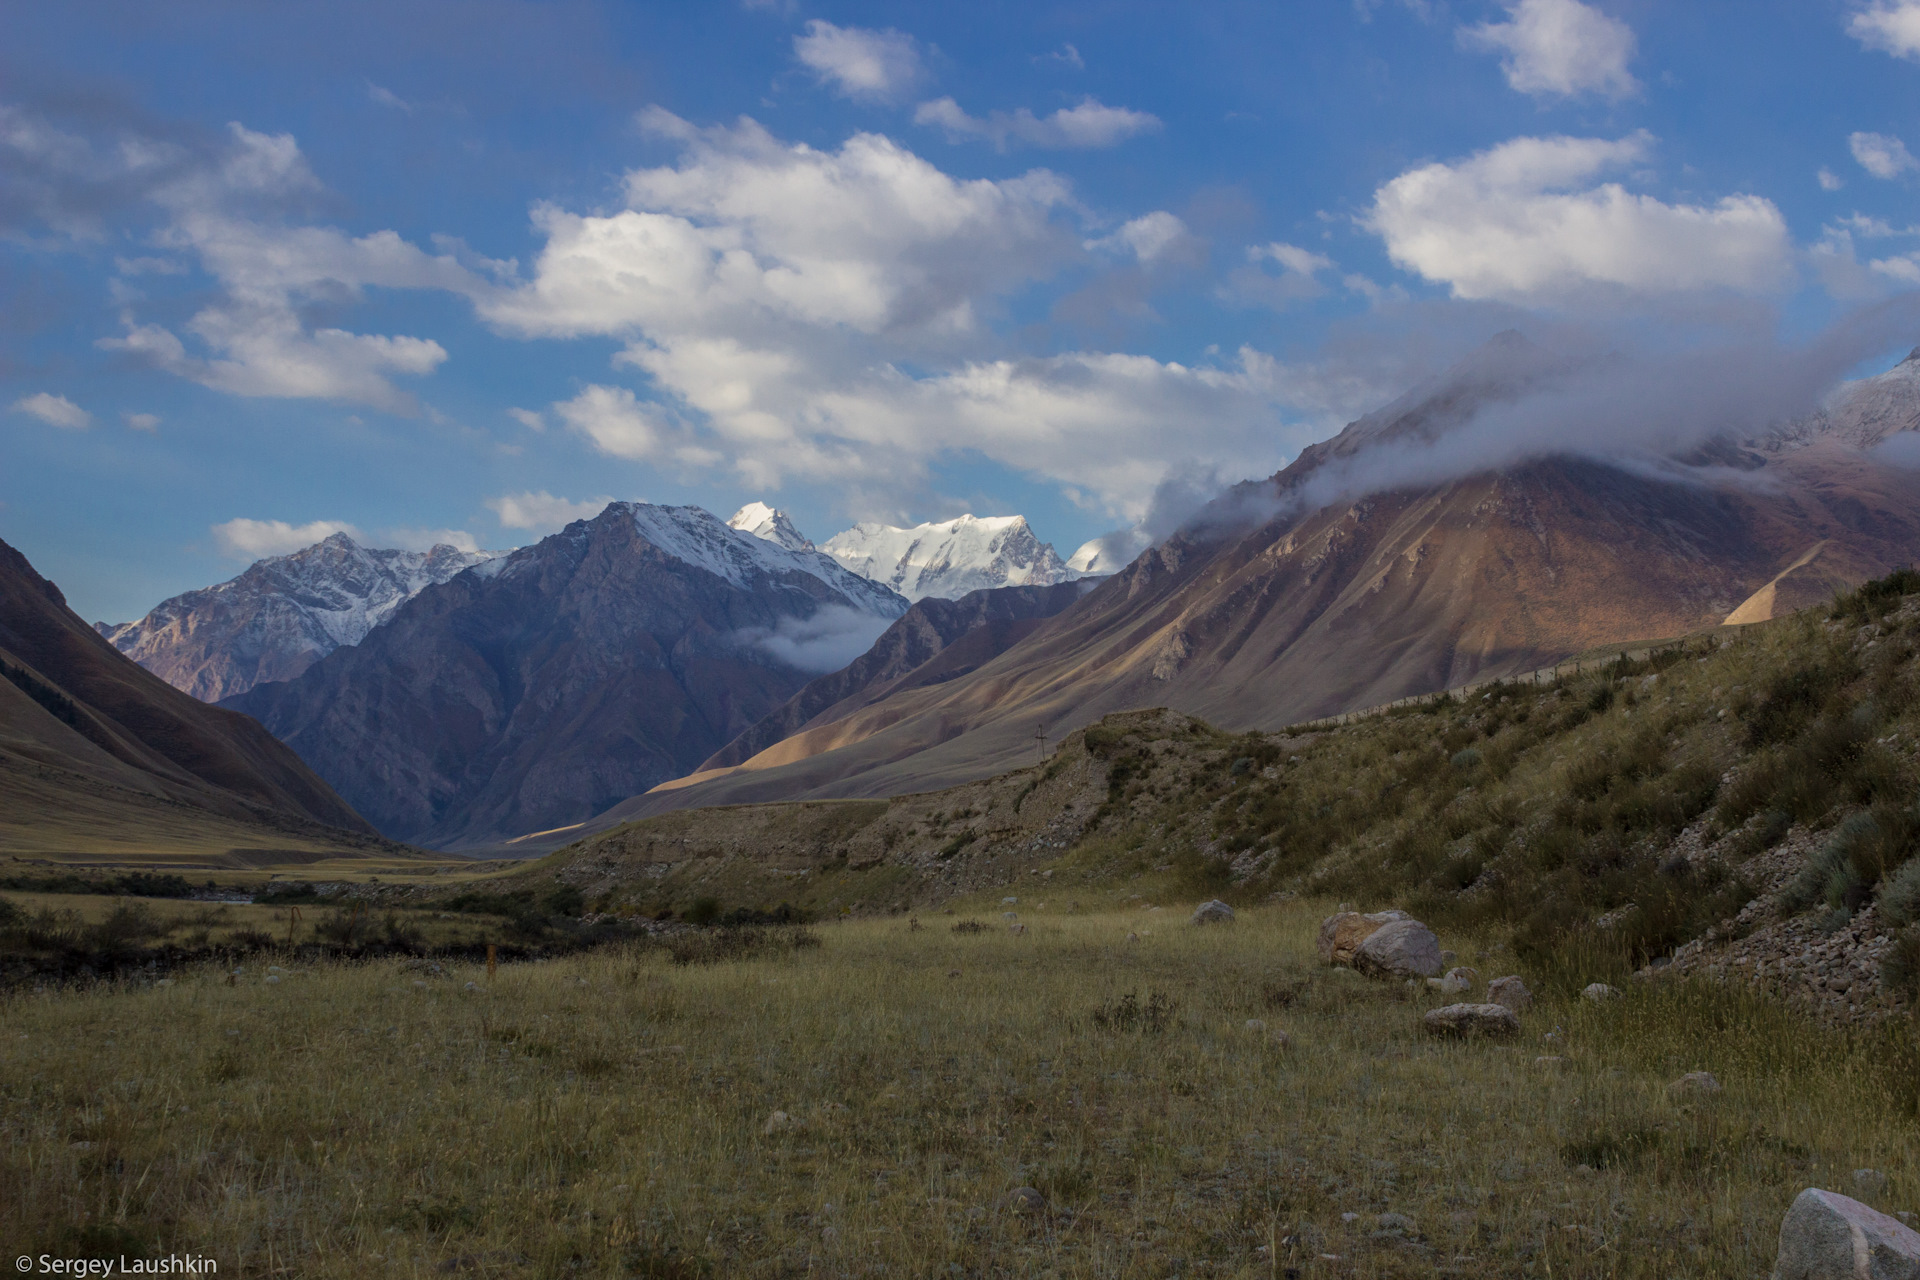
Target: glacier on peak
(771,525)
(949,558)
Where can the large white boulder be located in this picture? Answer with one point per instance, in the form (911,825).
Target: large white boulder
(1399,949)
(1828,1236)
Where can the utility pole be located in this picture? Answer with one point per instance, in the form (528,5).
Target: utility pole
(1040,737)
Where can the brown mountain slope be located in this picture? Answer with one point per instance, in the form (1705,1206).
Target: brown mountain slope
(1364,601)
(935,641)
(89,740)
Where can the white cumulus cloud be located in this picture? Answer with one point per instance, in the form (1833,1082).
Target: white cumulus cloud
(252,339)
(542,510)
(1881,154)
(528,418)
(1088,125)
(617,422)
(250,539)
(56,411)
(856,62)
(1524,222)
(1148,238)
(1891,26)
(142,421)
(1559,47)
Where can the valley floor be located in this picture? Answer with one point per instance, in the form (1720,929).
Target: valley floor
(1191,1101)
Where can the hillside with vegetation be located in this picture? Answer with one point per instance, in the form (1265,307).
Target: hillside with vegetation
(1744,792)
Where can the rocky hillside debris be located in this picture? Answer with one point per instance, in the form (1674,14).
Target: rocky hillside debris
(1834,965)
(1215,912)
(1467,1021)
(1399,949)
(1341,934)
(1511,992)
(1828,1236)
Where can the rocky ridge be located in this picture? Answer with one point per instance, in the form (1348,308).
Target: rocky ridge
(281,615)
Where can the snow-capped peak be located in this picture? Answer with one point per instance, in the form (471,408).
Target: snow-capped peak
(949,558)
(771,525)
(697,537)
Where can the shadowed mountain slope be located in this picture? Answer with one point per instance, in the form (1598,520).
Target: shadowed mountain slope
(935,641)
(83,728)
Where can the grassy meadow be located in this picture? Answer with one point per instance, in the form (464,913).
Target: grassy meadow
(613,1113)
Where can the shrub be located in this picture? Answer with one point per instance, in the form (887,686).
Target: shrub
(1900,897)
(752,943)
(1900,967)
(1128,1013)
(704,911)
(969,926)
(1465,760)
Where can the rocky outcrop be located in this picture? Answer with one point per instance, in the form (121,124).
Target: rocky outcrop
(1828,1236)
(539,689)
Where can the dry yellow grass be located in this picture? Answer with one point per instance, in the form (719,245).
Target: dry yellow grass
(608,1115)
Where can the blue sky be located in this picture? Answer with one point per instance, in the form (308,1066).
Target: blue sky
(462,270)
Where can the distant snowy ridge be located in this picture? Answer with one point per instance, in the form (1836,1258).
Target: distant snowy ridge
(951,557)
(770,525)
(282,614)
(697,537)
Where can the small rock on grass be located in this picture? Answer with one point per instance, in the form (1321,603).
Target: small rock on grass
(1025,1200)
(1869,1182)
(1511,992)
(1215,912)
(1551,1061)
(1598,991)
(1699,1083)
(778,1122)
(1828,1236)
(1469,1020)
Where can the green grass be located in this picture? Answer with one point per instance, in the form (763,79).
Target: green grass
(609,1114)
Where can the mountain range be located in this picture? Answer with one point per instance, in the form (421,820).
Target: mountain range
(97,754)
(1276,606)
(282,615)
(535,690)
